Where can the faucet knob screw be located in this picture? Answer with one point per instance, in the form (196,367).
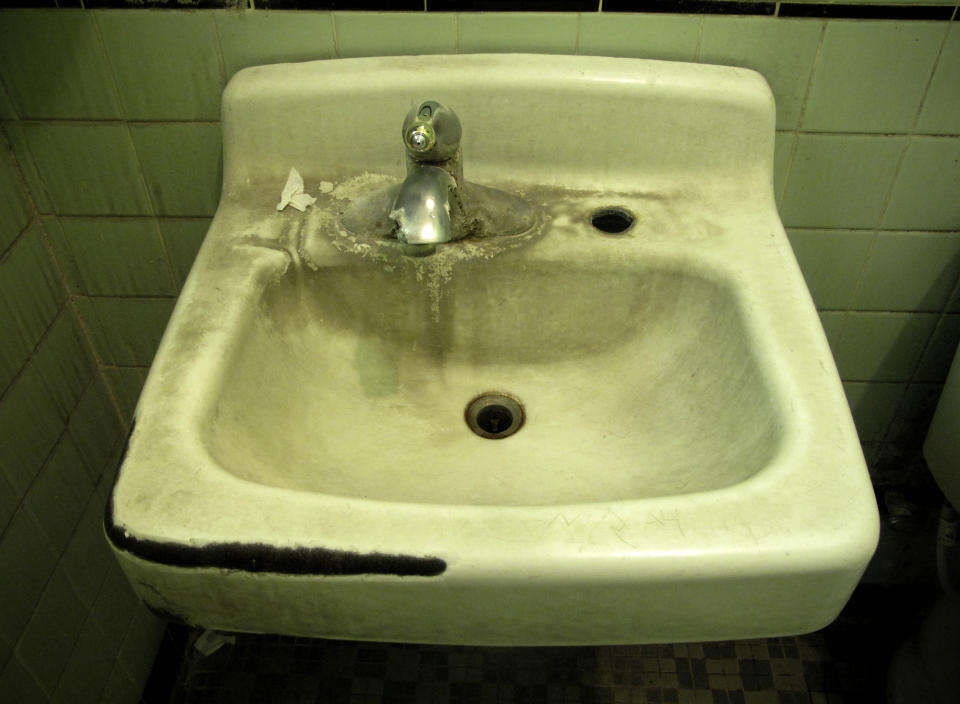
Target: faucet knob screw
(421,138)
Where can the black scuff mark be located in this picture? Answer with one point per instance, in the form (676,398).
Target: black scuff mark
(259,558)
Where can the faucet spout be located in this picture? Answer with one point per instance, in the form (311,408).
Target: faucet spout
(435,204)
(426,206)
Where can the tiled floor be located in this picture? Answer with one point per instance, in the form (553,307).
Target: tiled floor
(283,669)
(844,663)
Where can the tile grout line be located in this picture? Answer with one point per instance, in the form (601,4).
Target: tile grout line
(143,216)
(157,217)
(21,504)
(137,297)
(116,121)
(794,148)
(788,167)
(333,34)
(13,243)
(166,253)
(696,48)
(71,302)
(36,347)
(126,121)
(92,496)
(197,121)
(862,271)
(220,58)
(154,214)
(942,317)
(873,311)
(576,40)
(35,219)
(456,32)
(871,248)
(882,214)
(926,87)
(111,393)
(888,426)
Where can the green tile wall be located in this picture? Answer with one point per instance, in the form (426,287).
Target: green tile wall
(941,106)
(13,201)
(783,50)
(249,38)
(166,66)
(925,194)
(113,256)
(164,150)
(391,34)
(840,180)
(63,78)
(668,37)
(88,168)
(531,32)
(860,63)
(71,629)
(183,237)
(110,172)
(125,331)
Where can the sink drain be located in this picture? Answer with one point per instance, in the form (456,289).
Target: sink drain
(612,221)
(494,416)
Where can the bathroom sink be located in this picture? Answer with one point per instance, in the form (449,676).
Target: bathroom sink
(622,425)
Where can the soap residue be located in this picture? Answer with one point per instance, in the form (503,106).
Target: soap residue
(351,188)
(434,272)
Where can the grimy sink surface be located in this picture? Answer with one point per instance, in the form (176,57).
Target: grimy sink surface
(686,467)
(636,382)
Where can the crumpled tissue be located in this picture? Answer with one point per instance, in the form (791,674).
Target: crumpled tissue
(293,193)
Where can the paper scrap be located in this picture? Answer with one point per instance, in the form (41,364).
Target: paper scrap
(293,193)
(209,642)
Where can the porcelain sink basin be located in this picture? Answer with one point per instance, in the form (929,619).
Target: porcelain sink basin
(683,466)
(644,384)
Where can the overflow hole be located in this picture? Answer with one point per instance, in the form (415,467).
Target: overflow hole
(612,221)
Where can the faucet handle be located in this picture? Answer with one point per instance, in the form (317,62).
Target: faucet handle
(431,132)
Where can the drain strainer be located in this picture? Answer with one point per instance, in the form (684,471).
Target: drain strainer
(494,415)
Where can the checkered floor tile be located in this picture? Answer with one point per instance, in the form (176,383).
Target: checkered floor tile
(281,669)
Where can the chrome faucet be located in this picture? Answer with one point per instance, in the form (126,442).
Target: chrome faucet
(428,209)
(435,204)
